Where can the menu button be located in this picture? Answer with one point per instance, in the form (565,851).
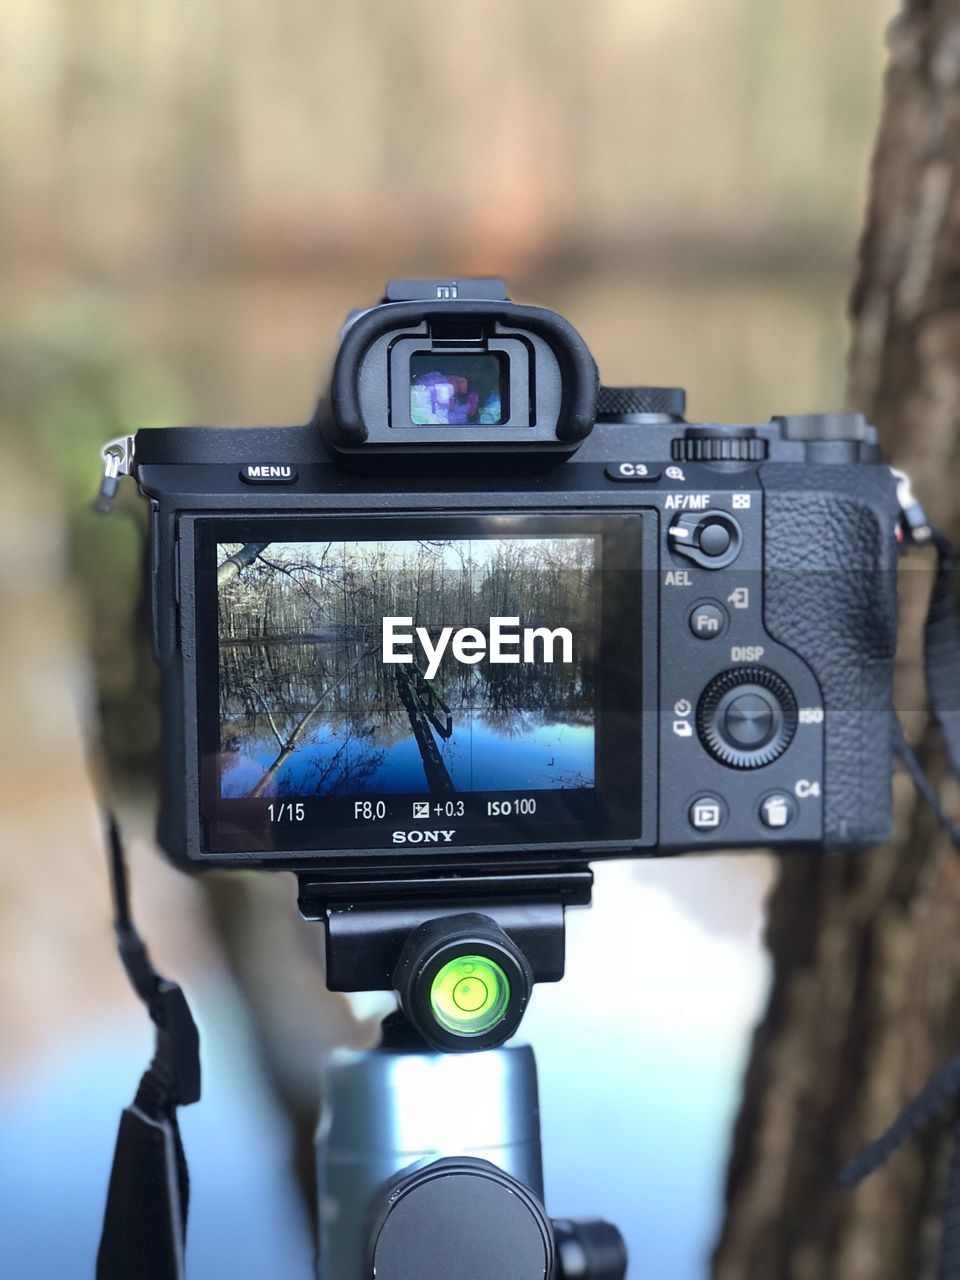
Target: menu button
(268,473)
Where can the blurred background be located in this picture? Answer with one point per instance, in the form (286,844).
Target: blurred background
(193,196)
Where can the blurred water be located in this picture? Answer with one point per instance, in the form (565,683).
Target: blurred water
(641,1050)
(58,1125)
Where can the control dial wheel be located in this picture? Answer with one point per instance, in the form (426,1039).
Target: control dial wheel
(719,443)
(747,717)
(615,403)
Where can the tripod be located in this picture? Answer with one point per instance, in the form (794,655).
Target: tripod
(429,1166)
(428,1151)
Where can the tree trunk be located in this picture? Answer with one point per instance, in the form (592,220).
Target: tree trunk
(865,1000)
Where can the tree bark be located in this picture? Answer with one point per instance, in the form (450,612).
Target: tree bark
(865,1000)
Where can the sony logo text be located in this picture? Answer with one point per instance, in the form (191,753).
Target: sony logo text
(504,644)
(423,837)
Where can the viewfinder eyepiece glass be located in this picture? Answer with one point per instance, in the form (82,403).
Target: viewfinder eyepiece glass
(456,389)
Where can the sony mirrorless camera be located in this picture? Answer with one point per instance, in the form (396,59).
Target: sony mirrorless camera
(484,615)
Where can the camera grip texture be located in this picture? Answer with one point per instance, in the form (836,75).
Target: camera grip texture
(830,594)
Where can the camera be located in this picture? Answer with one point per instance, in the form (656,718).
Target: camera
(483,616)
(478,623)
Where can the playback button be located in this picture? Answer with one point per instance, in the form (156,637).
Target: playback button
(707,813)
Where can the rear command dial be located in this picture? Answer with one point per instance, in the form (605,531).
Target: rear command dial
(747,717)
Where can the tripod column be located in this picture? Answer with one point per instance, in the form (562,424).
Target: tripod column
(391,1110)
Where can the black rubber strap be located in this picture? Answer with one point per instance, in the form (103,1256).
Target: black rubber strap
(939,1093)
(145,1223)
(908,758)
(941,644)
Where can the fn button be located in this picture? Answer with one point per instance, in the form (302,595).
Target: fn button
(708,620)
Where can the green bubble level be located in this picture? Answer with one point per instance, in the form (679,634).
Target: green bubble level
(469,995)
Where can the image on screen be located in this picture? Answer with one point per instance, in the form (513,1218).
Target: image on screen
(497,692)
(456,389)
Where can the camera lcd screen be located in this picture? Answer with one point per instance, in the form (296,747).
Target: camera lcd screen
(464,682)
(457,389)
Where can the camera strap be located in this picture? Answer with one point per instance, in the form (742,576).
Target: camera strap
(942,673)
(145,1223)
(942,652)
